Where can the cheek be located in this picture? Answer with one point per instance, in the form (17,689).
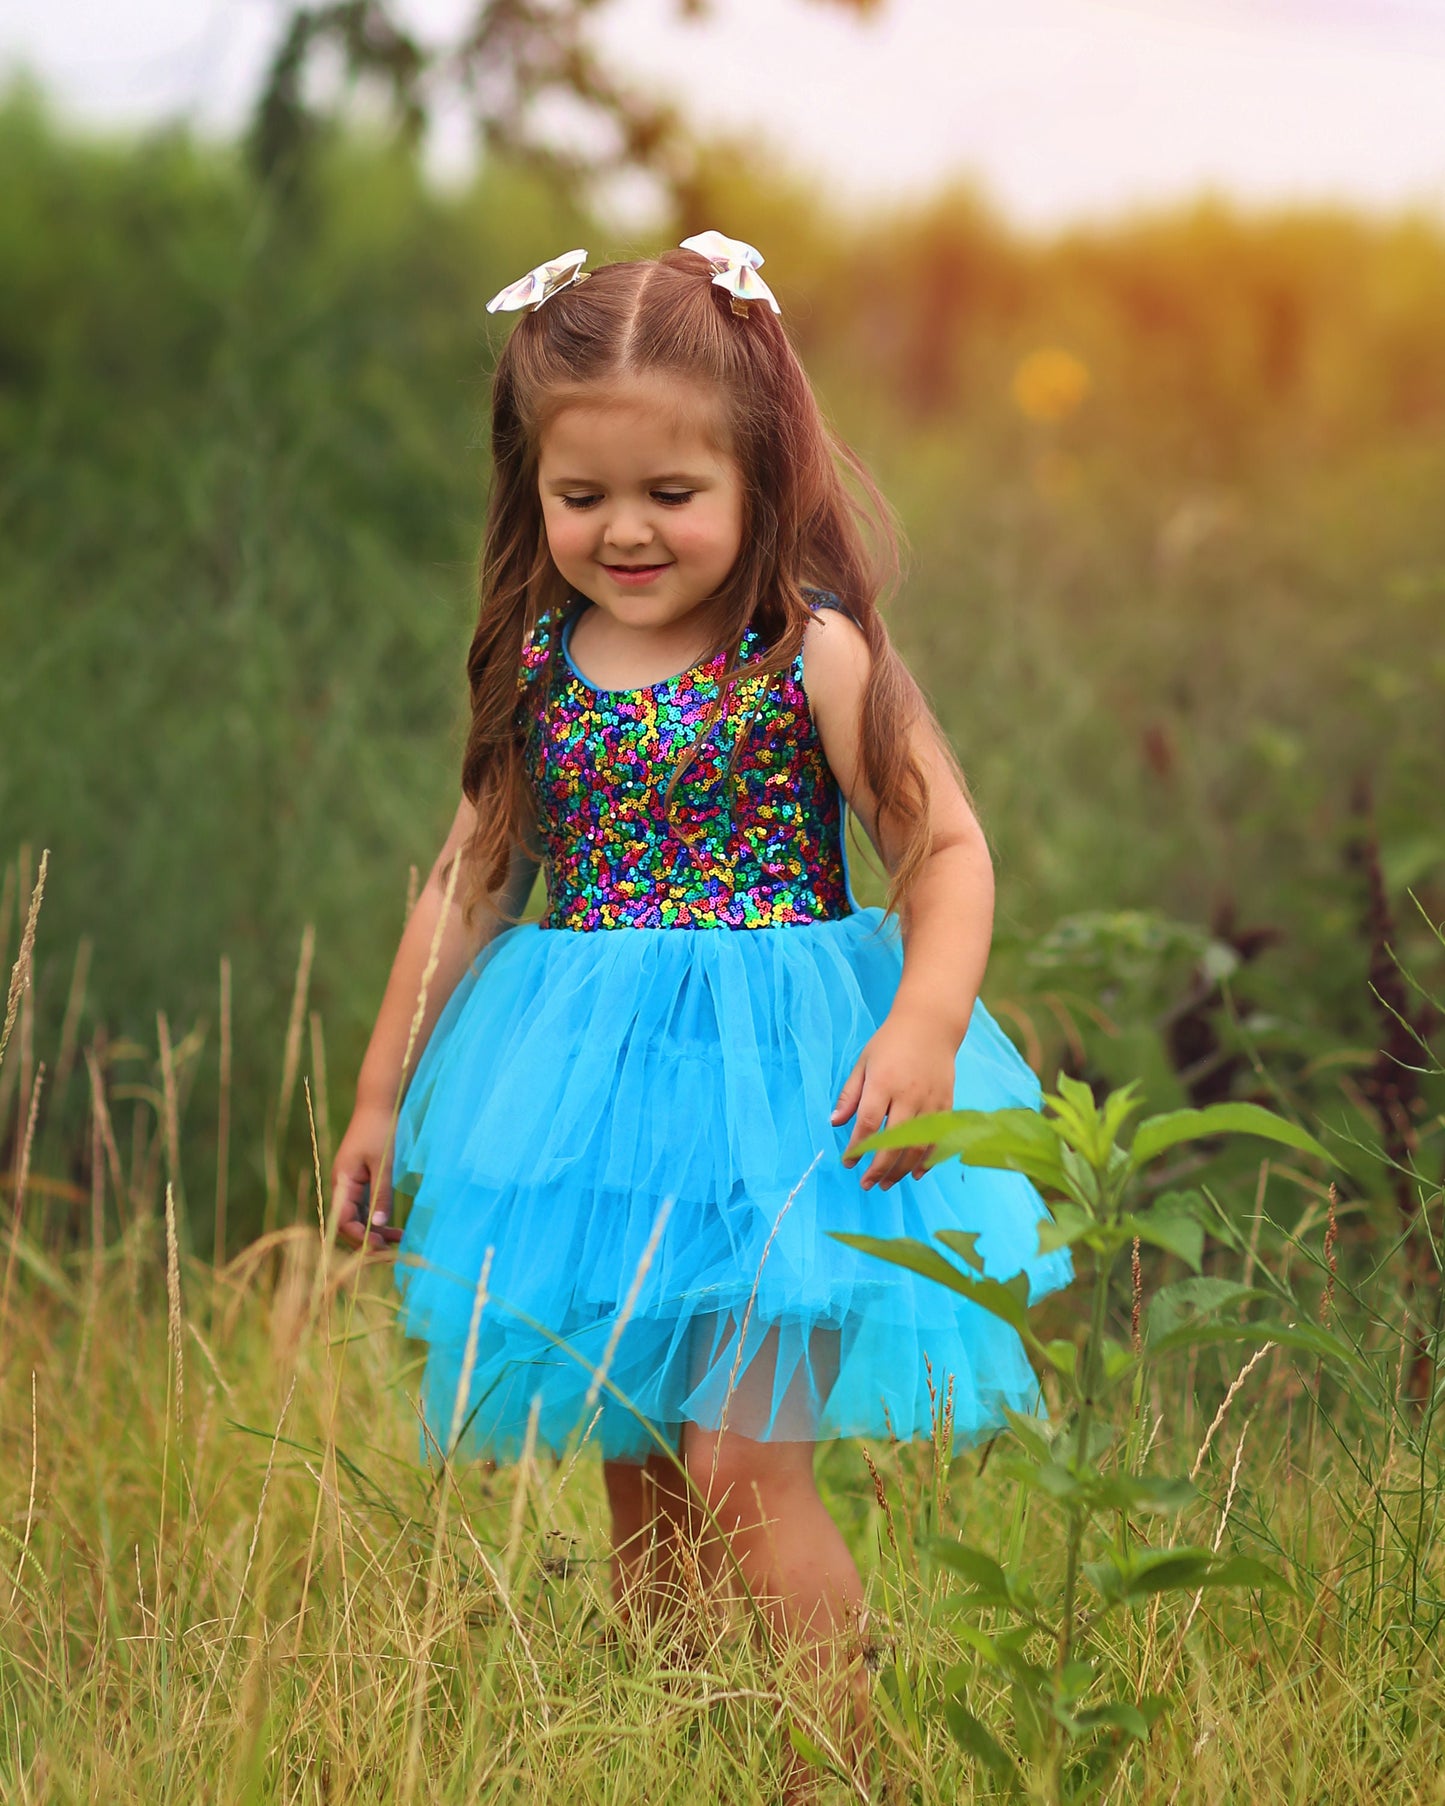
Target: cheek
(568,535)
(711,537)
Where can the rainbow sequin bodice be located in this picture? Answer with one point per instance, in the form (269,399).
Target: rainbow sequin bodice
(760,848)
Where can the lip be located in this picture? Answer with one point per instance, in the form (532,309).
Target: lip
(634,576)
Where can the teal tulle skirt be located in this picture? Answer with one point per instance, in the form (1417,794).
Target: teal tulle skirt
(632,1127)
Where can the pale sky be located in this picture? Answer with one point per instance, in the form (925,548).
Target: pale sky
(1058,109)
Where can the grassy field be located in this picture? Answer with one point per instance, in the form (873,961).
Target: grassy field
(228,1575)
(1176,583)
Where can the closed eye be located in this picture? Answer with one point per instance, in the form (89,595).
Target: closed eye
(580,501)
(673,498)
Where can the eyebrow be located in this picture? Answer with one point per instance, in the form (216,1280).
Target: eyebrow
(684,479)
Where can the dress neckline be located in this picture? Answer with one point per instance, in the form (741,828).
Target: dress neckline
(631,690)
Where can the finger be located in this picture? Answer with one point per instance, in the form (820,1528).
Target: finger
(852,1090)
(381,1232)
(871,1112)
(349,1192)
(888,1168)
(903,1163)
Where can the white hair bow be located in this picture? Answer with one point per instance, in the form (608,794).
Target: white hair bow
(736,265)
(539,285)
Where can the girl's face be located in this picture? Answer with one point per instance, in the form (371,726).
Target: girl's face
(643,507)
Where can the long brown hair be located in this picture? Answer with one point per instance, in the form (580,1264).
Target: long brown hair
(813,518)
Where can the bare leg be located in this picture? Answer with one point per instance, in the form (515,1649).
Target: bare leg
(653,1527)
(796,1564)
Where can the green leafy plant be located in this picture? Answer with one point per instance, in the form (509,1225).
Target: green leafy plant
(1069,1722)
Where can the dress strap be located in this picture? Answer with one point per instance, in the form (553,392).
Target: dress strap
(825,598)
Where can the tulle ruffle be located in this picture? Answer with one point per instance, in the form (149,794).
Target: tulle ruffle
(633,1127)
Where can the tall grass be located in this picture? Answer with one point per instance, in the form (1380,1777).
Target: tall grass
(227,1575)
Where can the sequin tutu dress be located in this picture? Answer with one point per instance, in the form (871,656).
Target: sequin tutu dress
(665,1047)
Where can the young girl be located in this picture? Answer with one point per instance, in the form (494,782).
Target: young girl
(626,1141)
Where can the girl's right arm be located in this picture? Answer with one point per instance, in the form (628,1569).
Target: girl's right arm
(362,1165)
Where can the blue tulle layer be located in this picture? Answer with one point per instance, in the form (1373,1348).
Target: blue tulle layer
(577,1086)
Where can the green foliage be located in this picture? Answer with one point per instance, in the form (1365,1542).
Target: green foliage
(243,468)
(1065,1741)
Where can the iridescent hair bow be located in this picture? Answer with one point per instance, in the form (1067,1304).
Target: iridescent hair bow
(539,285)
(736,268)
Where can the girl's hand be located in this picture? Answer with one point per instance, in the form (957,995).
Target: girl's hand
(362,1171)
(906,1069)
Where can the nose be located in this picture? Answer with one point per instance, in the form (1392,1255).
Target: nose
(626,529)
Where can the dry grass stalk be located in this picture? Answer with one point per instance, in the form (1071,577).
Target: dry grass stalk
(1332,1235)
(502,1594)
(34,1469)
(250,1552)
(223,1122)
(629,1304)
(1194,1604)
(173,1309)
(20,972)
(70,1024)
(1251,1256)
(748,1309)
(107,1129)
(22,1179)
(321,1122)
(880,1492)
(1136,1308)
(170,1103)
(525,1478)
(290,1068)
(1229,1398)
(469,1357)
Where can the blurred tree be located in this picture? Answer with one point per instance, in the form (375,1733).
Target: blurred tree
(521,67)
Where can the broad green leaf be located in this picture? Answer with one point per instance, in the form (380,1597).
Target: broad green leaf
(1035,1433)
(1308,1338)
(1075,1679)
(999,1649)
(1147,1571)
(1007,1300)
(1121,1714)
(1067,1223)
(1159,1494)
(1062,1356)
(1119,1106)
(975,1740)
(1079,1119)
(964,1243)
(1192,1300)
(1012,1140)
(1245,1571)
(982,1571)
(1176,1234)
(1156,1133)
(1118,1359)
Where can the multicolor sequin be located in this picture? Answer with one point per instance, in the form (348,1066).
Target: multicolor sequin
(759,849)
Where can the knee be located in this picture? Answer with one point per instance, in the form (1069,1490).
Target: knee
(736,1476)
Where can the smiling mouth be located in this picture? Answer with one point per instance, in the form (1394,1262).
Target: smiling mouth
(633,576)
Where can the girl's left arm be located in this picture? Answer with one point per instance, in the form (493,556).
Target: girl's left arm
(906,1068)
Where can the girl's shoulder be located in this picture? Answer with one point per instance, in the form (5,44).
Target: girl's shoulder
(834,663)
(824,598)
